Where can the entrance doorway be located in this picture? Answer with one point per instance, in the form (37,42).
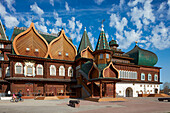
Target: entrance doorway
(156,91)
(129,92)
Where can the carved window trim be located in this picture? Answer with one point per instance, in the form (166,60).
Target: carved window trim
(21,68)
(39,71)
(52,70)
(61,71)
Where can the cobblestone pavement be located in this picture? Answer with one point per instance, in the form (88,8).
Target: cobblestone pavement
(133,105)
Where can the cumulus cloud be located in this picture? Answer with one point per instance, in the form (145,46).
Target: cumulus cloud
(135,2)
(10,21)
(71,24)
(36,9)
(98,2)
(9,5)
(92,39)
(67,7)
(117,23)
(160,37)
(41,25)
(52,2)
(48,22)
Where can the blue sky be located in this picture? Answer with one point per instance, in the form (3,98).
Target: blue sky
(127,21)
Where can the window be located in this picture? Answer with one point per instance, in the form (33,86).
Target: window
(52,70)
(29,69)
(149,77)
(39,69)
(61,71)
(27,49)
(66,54)
(1,45)
(70,72)
(7,71)
(156,77)
(142,76)
(18,68)
(59,53)
(127,74)
(101,56)
(36,50)
(107,56)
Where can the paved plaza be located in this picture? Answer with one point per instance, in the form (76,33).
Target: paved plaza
(133,105)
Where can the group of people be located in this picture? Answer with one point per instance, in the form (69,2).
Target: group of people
(14,97)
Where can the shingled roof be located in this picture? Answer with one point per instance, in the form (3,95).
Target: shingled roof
(102,41)
(84,42)
(2,32)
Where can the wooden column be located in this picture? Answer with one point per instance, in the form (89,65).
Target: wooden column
(105,86)
(11,87)
(45,89)
(100,89)
(11,68)
(34,89)
(114,90)
(92,89)
(64,89)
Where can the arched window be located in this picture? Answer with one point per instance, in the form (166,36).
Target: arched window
(39,69)
(7,71)
(156,77)
(18,68)
(52,70)
(29,69)
(70,72)
(149,77)
(142,76)
(101,56)
(61,71)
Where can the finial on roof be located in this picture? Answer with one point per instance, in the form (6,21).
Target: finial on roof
(102,25)
(136,42)
(84,28)
(112,38)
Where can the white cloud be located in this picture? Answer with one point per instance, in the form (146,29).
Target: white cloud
(2,10)
(91,38)
(48,22)
(54,30)
(160,38)
(36,9)
(128,38)
(58,22)
(107,36)
(72,24)
(41,25)
(121,3)
(9,5)
(67,7)
(135,2)
(52,2)
(117,23)
(79,25)
(98,2)
(162,7)
(11,21)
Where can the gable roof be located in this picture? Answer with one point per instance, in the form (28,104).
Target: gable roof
(102,42)
(2,32)
(84,42)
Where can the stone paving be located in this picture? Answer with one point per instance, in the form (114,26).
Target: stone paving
(133,105)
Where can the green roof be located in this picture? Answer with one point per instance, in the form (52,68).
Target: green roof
(102,42)
(143,57)
(113,43)
(84,42)
(2,32)
(86,67)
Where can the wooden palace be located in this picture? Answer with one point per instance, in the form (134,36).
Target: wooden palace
(42,64)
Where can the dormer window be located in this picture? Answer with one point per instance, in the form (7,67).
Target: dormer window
(36,50)
(1,45)
(59,53)
(66,54)
(107,56)
(27,49)
(101,56)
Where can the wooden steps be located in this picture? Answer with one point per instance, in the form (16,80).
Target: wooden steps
(105,99)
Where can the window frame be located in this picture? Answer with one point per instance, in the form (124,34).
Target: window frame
(61,74)
(142,74)
(37,70)
(101,55)
(155,77)
(107,56)
(149,76)
(70,68)
(21,66)
(52,74)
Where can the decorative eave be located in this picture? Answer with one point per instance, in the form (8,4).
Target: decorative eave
(103,51)
(121,57)
(6,41)
(88,48)
(41,79)
(110,64)
(38,58)
(136,81)
(93,66)
(138,66)
(107,80)
(62,33)
(25,32)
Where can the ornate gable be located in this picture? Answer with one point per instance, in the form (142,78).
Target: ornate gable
(87,53)
(62,48)
(110,71)
(30,43)
(94,72)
